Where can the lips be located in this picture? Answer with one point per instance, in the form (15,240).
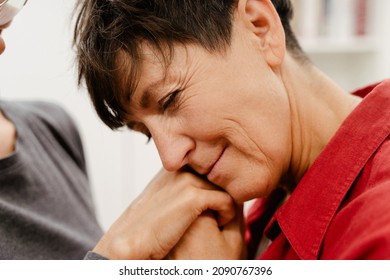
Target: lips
(210,174)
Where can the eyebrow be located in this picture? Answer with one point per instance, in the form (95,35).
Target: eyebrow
(150,90)
(145,99)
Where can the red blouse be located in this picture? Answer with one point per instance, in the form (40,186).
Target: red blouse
(341,207)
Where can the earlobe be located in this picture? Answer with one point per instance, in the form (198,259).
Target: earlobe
(263,20)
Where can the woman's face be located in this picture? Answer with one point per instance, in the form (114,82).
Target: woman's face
(225,115)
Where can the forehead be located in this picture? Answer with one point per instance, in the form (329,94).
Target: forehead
(142,72)
(174,60)
(150,64)
(156,69)
(164,59)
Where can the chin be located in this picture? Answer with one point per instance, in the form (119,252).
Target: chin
(254,190)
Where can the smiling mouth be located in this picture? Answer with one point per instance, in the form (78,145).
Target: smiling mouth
(213,165)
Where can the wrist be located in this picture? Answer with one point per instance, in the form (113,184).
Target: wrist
(122,248)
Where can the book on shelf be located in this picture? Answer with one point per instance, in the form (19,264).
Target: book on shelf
(337,20)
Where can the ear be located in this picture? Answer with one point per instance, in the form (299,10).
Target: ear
(261,18)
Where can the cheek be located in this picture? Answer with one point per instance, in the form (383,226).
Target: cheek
(257,178)
(203,121)
(272,125)
(262,128)
(274,145)
(262,157)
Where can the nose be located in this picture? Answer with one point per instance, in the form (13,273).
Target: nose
(173,146)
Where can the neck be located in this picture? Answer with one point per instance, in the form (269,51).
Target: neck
(318,108)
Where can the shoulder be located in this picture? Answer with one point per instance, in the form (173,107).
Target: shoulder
(32,111)
(361,228)
(51,123)
(50,113)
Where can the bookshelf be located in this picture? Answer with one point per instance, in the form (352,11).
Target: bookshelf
(327,45)
(347,39)
(335,25)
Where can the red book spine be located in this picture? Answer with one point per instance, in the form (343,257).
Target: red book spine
(361,18)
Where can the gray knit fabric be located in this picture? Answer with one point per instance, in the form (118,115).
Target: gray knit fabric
(92,256)
(46,210)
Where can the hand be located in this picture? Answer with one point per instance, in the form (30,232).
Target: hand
(152,225)
(205,240)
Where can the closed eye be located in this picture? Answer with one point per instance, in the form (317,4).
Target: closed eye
(169,100)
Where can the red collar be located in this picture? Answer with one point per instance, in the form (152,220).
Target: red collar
(305,217)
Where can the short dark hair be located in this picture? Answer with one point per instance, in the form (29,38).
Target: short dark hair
(106,30)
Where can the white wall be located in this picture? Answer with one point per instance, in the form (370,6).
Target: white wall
(38,64)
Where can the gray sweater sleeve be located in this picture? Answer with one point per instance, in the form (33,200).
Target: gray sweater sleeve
(94,256)
(46,206)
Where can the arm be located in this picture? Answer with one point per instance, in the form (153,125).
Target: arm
(154,223)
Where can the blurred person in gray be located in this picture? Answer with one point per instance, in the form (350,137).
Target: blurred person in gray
(46,208)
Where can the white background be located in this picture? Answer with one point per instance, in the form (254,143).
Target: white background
(38,64)
(279,270)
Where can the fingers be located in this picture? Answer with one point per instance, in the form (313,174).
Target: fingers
(198,194)
(155,222)
(220,202)
(204,239)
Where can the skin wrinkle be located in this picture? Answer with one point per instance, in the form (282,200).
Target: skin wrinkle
(125,74)
(252,142)
(296,126)
(164,62)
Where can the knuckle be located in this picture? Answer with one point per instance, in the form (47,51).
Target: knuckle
(186,176)
(192,193)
